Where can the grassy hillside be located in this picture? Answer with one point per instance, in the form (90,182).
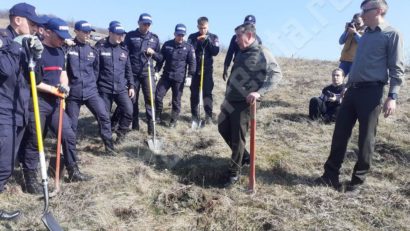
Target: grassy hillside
(179,188)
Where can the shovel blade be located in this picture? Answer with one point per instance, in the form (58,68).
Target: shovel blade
(154,145)
(197,124)
(194,124)
(50,222)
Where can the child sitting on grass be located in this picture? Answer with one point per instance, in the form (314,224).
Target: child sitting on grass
(326,106)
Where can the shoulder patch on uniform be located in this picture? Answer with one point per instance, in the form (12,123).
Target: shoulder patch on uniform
(3,33)
(105,53)
(122,45)
(155,35)
(73,53)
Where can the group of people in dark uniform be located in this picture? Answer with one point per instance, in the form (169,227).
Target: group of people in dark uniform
(118,66)
(74,74)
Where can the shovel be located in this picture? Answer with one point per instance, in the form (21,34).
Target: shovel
(252,177)
(59,148)
(47,218)
(200,123)
(154,144)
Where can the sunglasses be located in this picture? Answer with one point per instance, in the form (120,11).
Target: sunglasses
(364,11)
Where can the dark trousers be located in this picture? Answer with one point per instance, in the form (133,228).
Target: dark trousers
(321,109)
(362,104)
(49,116)
(208,86)
(142,82)
(10,139)
(176,87)
(233,123)
(97,107)
(317,108)
(124,105)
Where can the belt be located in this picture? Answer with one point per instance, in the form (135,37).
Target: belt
(366,84)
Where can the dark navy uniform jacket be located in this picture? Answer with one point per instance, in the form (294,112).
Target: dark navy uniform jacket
(211,45)
(82,71)
(233,50)
(138,43)
(50,66)
(115,74)
(176,57)
(14,89)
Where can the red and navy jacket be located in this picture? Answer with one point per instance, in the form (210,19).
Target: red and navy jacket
(14,88)
(49,67)
(115,74)
(176,57)
(137,44)
(82,70)
(210,46)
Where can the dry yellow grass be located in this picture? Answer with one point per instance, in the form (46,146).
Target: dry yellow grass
(179,188)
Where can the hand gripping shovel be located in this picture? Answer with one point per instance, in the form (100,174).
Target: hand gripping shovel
(154,144)
(59,149)
(47,218)
(200,123)
(252,177)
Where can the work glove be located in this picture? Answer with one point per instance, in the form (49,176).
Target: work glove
(69,42)
(156,76)
(149,51)
(56,92)
(188,81)
(225,73)
(35,46)
(64,89)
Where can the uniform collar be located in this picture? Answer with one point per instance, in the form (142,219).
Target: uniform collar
(141,34)
(12,31)
(177,44)
(79,43)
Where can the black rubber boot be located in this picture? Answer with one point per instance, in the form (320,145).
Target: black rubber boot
(158,116)
(120,136)
(32,185)
(135,124)
(173,123)
(74,174)
(109,147)
(150,128)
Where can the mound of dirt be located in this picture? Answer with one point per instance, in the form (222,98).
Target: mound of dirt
(184,199)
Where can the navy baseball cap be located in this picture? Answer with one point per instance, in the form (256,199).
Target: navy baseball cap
(116,28)
(84,26)
(145,18)
(250,19)
(180,29)
(45,19)
(59,26)
(113,23)
(26,10)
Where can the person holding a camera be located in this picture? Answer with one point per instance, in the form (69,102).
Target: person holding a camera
(349,39)
(327,104)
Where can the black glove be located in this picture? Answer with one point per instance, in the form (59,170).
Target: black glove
(225,73)
(63,89)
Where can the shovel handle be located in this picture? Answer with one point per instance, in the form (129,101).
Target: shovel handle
(252,177)
(59,137)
